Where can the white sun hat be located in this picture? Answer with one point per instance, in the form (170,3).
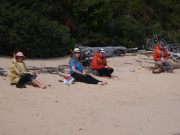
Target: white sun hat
(77,50)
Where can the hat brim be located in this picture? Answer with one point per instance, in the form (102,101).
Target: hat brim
(21,57)
(102,52)
(77,52)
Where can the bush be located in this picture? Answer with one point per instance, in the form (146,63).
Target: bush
(39,27)
(24,30)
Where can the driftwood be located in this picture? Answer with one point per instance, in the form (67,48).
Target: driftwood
(145,52)
(110,50)
(148,63)
(145,63)
(175,57)
(88,52)
(132,50)
(3,72)
(61,70)
(176,65)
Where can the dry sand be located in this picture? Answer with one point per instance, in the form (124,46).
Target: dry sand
(135,102)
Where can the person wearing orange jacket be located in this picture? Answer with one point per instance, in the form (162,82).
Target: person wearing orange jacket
(161,58)
(99,64)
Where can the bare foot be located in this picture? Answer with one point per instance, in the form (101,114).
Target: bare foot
(169,71)
(102,83)
(43,86)
(108,77)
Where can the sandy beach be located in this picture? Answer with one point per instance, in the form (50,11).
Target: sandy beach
(135,102)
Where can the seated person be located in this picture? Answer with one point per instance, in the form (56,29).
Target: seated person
(77,70)
(161,58)
(19,74)
(100,65)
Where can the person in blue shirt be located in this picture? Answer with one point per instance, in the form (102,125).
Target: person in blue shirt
(77,71)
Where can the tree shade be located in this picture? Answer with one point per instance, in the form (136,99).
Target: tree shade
(46,28)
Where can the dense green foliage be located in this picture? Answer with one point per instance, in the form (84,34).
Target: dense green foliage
(49,28)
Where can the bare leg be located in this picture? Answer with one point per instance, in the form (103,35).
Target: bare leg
(38,84)
(39,81)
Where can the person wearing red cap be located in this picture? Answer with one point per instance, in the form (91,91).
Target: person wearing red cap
(99,64)
(19,74)
(161,58)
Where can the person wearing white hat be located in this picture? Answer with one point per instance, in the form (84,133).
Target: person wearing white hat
(99,64)
(19,74)
(77,71)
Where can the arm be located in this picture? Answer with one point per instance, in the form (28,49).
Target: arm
(166,57)
(20,68)
(27,71)
(25,67)
(106,66)
(106,63)
(15,70)
(155,55)
(76,71)
(72,65)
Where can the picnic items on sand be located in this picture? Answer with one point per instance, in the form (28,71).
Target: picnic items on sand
(68,80)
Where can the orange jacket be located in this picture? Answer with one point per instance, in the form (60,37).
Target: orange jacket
(98,62)
(157,53)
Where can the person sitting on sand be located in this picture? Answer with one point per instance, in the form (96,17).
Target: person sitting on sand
(19,74)
(161,58)
(99,64)
(77,71)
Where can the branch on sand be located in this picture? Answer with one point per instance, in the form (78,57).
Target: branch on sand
(61,70)
(3,72)
(148,62)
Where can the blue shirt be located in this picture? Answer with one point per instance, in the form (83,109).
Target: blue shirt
(77,64)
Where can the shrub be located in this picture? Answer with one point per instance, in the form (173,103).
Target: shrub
(24,30)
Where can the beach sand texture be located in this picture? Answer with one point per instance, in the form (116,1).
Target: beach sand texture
(135,102)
